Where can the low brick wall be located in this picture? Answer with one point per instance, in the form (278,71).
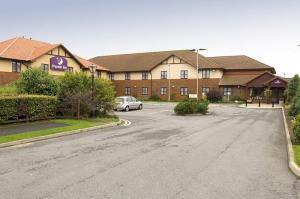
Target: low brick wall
(8,77)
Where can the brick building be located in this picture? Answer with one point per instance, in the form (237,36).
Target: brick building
(173,75)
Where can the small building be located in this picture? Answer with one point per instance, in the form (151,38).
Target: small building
(19,54)
(173,75)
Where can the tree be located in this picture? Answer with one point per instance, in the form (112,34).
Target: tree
(295,105)
(36,81)
(292,88)
(104,96)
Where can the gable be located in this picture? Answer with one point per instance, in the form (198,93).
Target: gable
(260,80)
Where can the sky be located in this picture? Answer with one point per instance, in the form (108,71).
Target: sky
(267,30)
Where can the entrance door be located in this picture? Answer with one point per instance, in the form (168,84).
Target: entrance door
(277,93)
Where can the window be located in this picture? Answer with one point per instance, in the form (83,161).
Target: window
(145,90)
(144,75)
(70,69)
(227,91)
(254,92)
(206,73)
(183,74)
(163,75)
(127,91)
(111,76)
(183,91)
(163,91)
(16,67)
(127,76)
(45,67)
(98,74)
(205,90)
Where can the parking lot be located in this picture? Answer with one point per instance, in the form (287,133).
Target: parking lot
(230,153)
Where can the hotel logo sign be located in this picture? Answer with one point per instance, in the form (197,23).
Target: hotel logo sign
(58,63)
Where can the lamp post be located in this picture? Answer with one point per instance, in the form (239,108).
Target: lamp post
(93,70)
(197,76)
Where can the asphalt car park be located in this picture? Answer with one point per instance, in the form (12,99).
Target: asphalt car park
(230,153)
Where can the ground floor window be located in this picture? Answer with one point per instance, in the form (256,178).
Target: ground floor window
(183,91)
(163,91)
(45,67)
(227,91)
(205,90)
(145,91)
(16,66)
(256,92)
(127,91)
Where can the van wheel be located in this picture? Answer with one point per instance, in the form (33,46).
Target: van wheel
(127,108)
(140,107)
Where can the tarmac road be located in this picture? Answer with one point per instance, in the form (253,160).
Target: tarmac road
(232,153)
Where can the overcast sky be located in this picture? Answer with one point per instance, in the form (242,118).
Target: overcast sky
(267,30)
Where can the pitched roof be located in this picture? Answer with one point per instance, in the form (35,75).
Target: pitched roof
(149,60)
(87,63)
(24,49)
(240,62)
(236,80)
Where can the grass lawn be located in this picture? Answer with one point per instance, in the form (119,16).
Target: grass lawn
(296,148)
(71,125)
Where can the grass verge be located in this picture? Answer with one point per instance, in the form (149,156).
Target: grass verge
(71,125)
(296,148)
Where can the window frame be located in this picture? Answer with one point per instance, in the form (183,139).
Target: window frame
(206,73)
(227,90)
(164,74)
(111,76)
(127,76)
(43,68)
(127,91)
(163,91)
(145,75)
(98,74)
(184,74)
(70,69)
(184,91)
(16,66)
(145,89)
(205,90)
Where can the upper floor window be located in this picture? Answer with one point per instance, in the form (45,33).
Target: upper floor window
(45,68)
(111,76)
(183,74)
(144,75)
(206,73)
(183,91)
(127,91)
(127,76)
(98,74)
(70,70)
(16,67)
(227,91)
(163,75)
(145,90)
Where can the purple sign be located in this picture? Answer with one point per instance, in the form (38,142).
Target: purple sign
(58,63)
(278,83)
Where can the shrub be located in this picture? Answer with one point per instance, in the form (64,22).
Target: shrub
(236,97)
(154,97)
(8,90)
(295,105)
(292,88)
(296,128)
(104,96)
(36,81)
(29,107)
(214,96)
(191,106)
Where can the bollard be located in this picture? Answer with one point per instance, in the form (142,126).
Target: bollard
(246,103)
(272,103)
(259,103)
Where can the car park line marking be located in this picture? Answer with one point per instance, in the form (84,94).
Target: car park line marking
(126,123)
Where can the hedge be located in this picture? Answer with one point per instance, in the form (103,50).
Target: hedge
(296,128)
(26,107)
(191,106)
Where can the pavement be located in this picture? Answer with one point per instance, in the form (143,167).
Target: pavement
(11,129)
(230,153)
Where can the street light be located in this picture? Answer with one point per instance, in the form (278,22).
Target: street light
(197,51)
(93,70)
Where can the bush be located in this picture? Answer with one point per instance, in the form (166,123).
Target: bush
(236,97)
(154,97)
(191,106)
(292,88)
(104,96)
(296,128)
(295,105)
(36,81)
(8,90)
(214,96)
(28,107)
